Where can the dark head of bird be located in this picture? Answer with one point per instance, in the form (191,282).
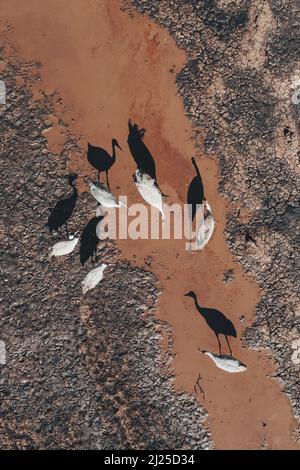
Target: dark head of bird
(134,131)
(191,294)
(115,143)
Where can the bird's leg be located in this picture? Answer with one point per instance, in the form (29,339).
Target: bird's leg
(197,386)
(66,225)
(107,180)
(190,245)
(98,176)
(219,344)
(228,345)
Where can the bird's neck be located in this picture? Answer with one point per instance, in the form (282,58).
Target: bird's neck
(113,151)
(196,168)
(74,194)
(198,306)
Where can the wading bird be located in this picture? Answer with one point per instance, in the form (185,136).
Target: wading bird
(103,196)
(64,247)
(93,277)
(148,189)
(206,227)
(216,321)
(63,209)
(228,363)
(100,158)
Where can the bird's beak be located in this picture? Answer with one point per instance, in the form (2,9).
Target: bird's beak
(119,147)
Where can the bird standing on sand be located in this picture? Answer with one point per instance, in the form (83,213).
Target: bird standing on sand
(228,363)
(100,158)
(103,196)
(63,209)
(149,190)
(216,321)
(206,227)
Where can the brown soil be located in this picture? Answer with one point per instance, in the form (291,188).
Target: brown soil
(108,66)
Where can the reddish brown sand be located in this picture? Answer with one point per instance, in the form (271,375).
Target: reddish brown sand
(108,66)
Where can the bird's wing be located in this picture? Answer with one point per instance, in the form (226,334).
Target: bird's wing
(103,196)
(92,279)
(228,363)
(64,247)
(150,193)
(205,231)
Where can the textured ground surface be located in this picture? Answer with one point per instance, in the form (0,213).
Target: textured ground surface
(90,372)
(237,89)
(81,373)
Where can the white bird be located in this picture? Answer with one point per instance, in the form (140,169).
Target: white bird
(149,190)
(206,227)
(103,196)
(228,363)
(93,277)
(64,247)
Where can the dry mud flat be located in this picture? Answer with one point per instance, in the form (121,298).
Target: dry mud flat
(96,372)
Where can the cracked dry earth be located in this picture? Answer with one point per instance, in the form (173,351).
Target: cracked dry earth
(92,372)
(82,372)
(237,87)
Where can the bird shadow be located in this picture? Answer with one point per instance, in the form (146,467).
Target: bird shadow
(63,209)
(195,194)
(89,241)
(216,321)
(101,160)
(139,151)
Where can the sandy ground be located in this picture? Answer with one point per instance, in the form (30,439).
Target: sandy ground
(108,66)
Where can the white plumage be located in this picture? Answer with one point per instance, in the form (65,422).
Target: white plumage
(148,189)
(228,363)
(64,247)
(93,277)
(206,228)
(99,211)
(103,196)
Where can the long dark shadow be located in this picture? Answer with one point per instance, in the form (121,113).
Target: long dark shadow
(195,194)
(63,209)
(89,241)
(216,320)
(100,159)
(139,151)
